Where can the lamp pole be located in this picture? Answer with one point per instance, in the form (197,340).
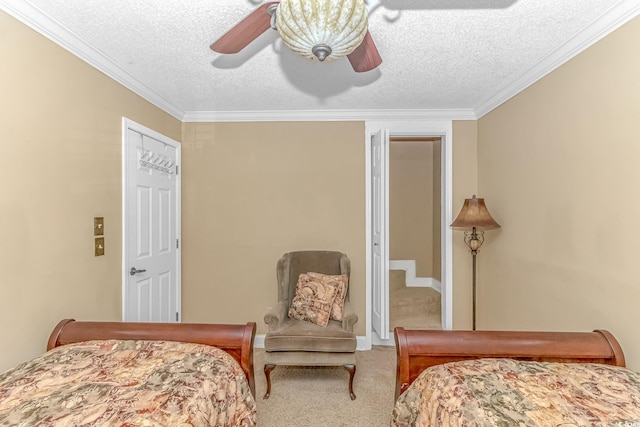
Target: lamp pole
(474,240)
(474,216)
(473,253)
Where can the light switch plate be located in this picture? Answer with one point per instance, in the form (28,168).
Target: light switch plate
(99,247)
(98,226)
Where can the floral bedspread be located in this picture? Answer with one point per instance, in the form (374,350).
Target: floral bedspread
(127,383)
(505,392)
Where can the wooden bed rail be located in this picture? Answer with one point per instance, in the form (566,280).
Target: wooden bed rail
(237,340)
(420,349)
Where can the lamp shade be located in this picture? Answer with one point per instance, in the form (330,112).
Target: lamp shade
(474,213)
(322,29)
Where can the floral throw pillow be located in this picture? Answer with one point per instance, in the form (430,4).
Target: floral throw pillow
(312,301)
(341,282)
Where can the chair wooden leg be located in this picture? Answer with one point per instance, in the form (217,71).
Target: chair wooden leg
(352,373)
(267,373)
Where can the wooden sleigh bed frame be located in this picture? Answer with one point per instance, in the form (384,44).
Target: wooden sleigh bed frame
(237,340)
(420,349)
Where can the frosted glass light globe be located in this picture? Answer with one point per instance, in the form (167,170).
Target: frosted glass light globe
(322,29)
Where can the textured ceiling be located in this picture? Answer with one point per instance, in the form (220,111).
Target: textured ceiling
(437,54)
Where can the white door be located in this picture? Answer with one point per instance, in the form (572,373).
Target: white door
(380,231)
(151,232)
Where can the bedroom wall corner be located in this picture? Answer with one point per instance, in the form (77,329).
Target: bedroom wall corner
(60,131)
(558,165)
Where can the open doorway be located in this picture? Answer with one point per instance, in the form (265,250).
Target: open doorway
(378,139)
(415,223)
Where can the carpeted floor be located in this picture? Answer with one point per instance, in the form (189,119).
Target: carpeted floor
(319,397)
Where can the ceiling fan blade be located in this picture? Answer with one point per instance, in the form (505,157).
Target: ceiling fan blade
(366,56)
(246,31)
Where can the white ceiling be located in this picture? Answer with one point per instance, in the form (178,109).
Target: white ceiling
(441,58)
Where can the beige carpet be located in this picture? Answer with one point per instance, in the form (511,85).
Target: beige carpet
(319,397)
(412,307)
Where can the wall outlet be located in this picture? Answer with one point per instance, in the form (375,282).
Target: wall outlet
(98,226)
(99,247)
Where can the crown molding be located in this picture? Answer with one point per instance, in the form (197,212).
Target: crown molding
(327,115)
(611,20)
(33,17)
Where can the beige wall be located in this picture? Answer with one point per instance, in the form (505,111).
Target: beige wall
(558,167)
(60,132)
(465,184)
(436,223)
(411,207)
(253,191)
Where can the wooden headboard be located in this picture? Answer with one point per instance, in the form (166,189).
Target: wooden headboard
(420,349)
(237,340)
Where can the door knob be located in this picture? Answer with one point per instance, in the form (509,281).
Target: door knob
(133,271)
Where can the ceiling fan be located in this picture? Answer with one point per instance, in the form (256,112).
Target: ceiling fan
(316,29)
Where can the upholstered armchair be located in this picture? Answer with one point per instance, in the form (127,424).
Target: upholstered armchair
(293,342)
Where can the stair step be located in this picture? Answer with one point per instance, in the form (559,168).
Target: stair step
(397,279)
(414,301)
(412,307)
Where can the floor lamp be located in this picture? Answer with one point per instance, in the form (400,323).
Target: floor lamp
(474,218)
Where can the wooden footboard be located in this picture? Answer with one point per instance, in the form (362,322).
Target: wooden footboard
(237,340)
(420,349)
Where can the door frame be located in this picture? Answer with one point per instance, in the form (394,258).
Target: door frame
(443,129)
(128,124)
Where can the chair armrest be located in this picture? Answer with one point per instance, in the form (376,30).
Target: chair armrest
(276,315)
(349,317)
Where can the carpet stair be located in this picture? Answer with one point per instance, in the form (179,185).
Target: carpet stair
(412,307)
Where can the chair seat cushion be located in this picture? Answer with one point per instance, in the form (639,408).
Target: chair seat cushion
(298,335)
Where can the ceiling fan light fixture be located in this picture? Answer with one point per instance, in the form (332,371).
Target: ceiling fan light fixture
(322,29)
